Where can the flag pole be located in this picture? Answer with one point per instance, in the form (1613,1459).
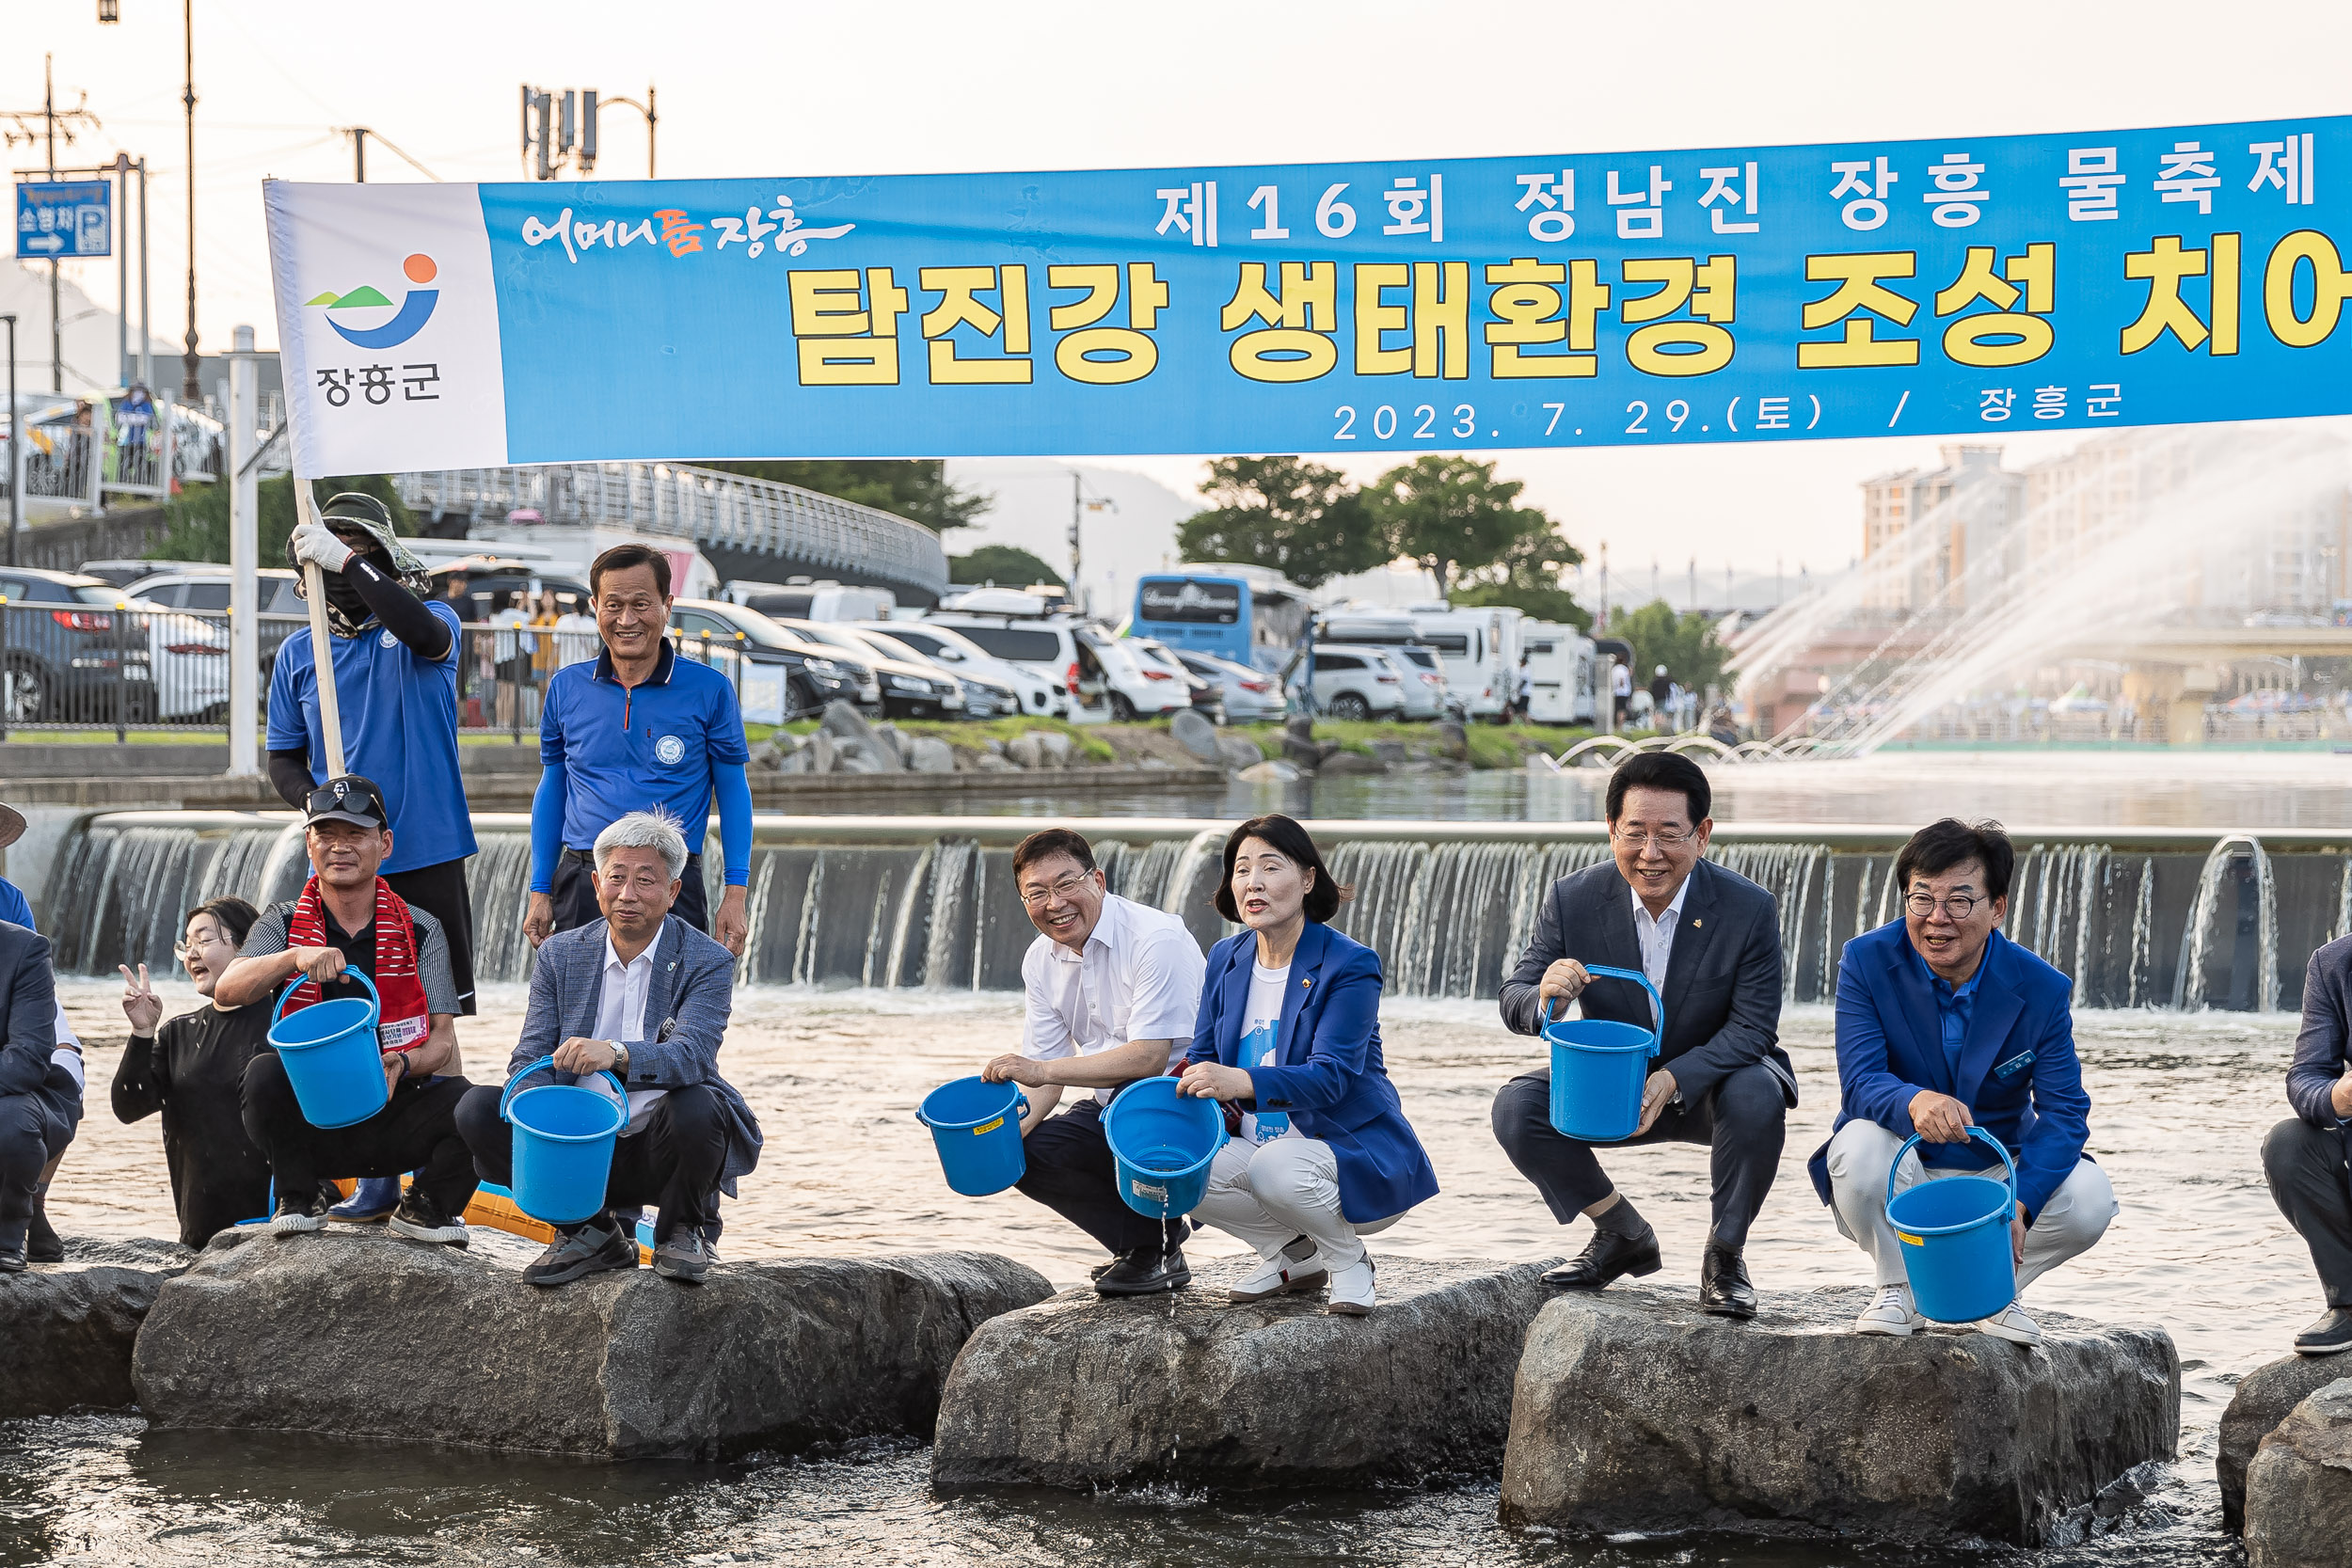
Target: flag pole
(322,653)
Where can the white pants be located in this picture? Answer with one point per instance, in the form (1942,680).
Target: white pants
(1266,1194)
(1863,1152)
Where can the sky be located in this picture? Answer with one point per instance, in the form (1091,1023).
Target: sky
(796,89)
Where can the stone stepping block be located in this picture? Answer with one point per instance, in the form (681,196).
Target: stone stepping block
(2298,1489)
(367,1334)
(2261,1401)
(1191,1388)
(67,1329)
(1635,1411)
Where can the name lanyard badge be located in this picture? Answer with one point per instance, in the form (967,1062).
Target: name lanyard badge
(1261,1047)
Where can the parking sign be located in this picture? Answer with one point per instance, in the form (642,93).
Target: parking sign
(64,218)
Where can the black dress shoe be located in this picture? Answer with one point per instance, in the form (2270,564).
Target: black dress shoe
(1608,1255)
(1145,1271)
(2330,1334)
(43,1245)
(1724,1287)
(12,1248)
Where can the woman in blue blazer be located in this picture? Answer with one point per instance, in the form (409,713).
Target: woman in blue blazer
(1288,1037)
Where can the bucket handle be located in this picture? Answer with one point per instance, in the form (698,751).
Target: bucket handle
(506,1097)
(1912,1142)
(1020,1107)
(1657,1004)
(300,980)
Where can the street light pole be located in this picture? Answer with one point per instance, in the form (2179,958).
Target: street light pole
(57,331)
(191,387)
(16,466)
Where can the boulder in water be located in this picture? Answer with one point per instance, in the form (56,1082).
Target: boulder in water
(370,1336)
(2261,1401)
(1191,1388)
(1635,1411)
(927,754)
(2298,1490)
(67,1329)
(1194,731)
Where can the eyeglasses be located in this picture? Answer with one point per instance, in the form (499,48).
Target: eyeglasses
(1959,905)
(1667,842)
(1065,887)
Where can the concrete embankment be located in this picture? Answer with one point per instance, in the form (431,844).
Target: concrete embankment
(67,1329)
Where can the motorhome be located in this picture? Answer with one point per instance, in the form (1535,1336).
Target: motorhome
(1560,674)
(801,599)
(1480,650)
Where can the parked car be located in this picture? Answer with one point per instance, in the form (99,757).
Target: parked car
(1206,696)
(920,689)
(965,659)
(982,698)
(124,573)
(76,649)
(1135,686)
(205,587)
(490,584)
(781,676)
(1357,682)
(803,600)
(1249,695)
(1422,669)
(1048,646)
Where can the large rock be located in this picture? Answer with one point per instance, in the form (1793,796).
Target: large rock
(1636,1412)
(67,1329)
(1083,1392)
(1238,750)
(927,754)
(1195,734)
(843,722)
(1272,770)
(2262,1398)
(373,1337)
(2298,1490)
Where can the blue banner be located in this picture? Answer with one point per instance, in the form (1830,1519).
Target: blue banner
(1756,294)
(64,219)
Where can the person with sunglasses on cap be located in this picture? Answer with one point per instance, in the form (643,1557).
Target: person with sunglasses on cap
(42,1242)
(348,916)
(397,650)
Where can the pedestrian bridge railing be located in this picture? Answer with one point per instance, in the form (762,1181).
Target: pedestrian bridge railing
(710,508)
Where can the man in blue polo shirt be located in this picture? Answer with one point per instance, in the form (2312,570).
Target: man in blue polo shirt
(638,730)
(396,651)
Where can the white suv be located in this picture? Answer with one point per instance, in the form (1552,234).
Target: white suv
(1357,683)
(1047,646)
(967,660)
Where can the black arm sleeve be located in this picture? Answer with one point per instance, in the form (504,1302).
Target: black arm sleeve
(290,775)
(402,613)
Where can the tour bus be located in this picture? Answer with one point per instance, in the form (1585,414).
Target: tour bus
(1560,666)
(1248,615)
(1480,650)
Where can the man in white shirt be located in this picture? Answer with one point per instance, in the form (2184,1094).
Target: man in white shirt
(645,997)
(1112,989)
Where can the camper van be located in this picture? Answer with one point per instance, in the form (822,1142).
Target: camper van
(1560,674)
(803,600)
(1480,651)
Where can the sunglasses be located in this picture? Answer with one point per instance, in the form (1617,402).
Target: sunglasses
(352,798)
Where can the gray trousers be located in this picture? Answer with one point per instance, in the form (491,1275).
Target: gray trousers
(1861,1155)
(2305,1167)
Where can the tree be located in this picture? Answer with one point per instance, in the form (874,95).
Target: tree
(1301,519)
(916,489)
(1450,513)
(1527,578)
(197,519)
(1685,644)
(1006,565)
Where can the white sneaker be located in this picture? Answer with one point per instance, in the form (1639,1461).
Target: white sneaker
(1352,1290)
(1890,1313)
(1280,1275)
(2011,1323)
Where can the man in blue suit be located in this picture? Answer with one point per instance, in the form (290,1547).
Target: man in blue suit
(40,1086)
(1945,1025)
(643,995)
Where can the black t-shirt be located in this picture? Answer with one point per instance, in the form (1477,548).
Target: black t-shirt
(358,952)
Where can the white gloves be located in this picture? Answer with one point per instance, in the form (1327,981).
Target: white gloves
(314,542)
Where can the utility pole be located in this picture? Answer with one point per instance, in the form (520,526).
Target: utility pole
(562,128)
(1079,507)
(1694,582)
(1603,623)
(147,323)
(192,387)
(122,268)
(360,153)
(16,461)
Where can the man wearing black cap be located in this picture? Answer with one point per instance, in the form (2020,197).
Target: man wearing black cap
(396,651)
(349,916)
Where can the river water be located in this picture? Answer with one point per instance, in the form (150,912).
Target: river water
(2181,1101)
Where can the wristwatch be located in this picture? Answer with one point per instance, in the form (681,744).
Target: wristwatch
(620,1058)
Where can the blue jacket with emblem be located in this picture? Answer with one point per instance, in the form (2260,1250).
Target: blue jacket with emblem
(1332,1081)
(2018,1074)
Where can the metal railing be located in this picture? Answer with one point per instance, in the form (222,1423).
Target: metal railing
(67,665)
(710,508)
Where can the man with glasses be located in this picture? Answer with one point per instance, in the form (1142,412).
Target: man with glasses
(638,728)
(1945,1025)
(1708,939)
(1112,989)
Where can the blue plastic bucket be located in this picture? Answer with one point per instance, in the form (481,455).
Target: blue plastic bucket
(563,1144)
(1955,1239)
(1161,1143)
(1599,1067)
(331,1055)
(976,1126)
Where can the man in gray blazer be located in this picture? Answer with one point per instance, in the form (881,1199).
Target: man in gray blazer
(41,1085)
(1710,941)
(643,995)
(2303,1157)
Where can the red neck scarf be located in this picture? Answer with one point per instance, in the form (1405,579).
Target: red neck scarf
(403,1024)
